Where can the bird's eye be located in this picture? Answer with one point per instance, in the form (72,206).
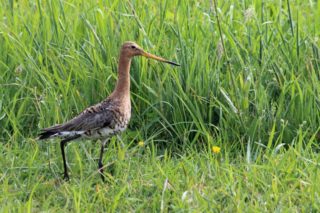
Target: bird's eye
(133,47)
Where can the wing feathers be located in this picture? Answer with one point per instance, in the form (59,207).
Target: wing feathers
(92,118)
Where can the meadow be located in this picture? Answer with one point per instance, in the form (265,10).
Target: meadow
(248,83)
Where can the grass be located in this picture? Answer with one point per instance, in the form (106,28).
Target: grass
(249,83)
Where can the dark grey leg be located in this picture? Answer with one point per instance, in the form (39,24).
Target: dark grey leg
(100,165)
(63,143)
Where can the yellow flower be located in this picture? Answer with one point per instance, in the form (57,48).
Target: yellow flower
(141,143)
(97,188)
(216,149)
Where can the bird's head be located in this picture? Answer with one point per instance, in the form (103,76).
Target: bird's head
(131,49)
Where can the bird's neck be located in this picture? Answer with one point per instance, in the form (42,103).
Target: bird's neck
(123,84)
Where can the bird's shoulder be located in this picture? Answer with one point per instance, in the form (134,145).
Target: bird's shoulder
(104,106)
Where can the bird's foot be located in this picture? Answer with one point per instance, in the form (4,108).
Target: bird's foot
(66,177)
(100,169)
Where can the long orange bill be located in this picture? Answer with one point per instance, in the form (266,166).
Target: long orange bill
(149,55)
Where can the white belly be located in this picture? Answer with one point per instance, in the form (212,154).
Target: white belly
(105,132)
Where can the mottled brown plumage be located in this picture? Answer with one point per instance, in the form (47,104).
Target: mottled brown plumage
(104,119)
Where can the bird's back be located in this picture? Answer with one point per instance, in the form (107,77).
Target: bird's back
(102,120)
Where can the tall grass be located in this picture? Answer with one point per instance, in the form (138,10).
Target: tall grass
(59,57)
(248,81)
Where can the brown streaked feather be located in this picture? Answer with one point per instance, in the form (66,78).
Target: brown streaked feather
(95,117)
(87,121)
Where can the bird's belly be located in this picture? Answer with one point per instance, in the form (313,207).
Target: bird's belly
(104,132)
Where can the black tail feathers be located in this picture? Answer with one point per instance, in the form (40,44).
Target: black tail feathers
(46,134)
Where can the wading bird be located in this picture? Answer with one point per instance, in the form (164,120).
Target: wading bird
(107,118)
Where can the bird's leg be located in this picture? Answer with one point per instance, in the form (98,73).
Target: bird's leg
(100,165)
(63,143)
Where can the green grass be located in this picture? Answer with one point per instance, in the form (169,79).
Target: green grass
(248,83)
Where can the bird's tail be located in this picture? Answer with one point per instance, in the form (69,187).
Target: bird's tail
(46,134)
(49,132)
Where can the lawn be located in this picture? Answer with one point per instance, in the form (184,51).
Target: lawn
(248,83)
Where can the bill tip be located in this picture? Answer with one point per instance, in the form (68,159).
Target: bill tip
(173,63)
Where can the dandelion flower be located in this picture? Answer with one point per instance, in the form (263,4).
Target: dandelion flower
(141,143)
(216,149)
